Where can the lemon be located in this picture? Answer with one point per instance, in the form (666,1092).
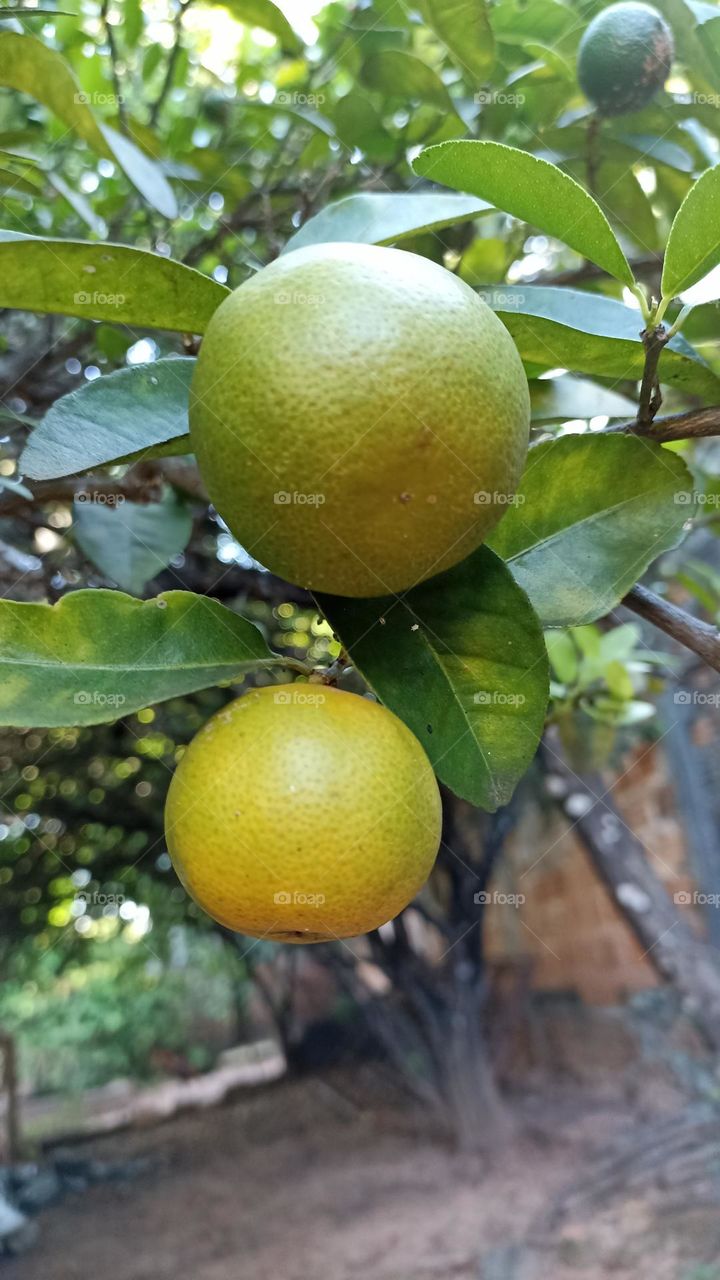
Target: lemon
(624,57)
(360,417)
(301,813)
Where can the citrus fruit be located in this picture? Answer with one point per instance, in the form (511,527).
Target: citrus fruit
(360,418)
(301,813)
(624,57)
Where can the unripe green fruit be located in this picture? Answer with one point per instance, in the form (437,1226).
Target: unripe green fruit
(360,418)
(625,56)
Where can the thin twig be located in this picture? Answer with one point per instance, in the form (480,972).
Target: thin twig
(112,46)
(159,102)
(592,154)
(700,637)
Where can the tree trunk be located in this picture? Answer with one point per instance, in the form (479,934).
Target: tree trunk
(619,857)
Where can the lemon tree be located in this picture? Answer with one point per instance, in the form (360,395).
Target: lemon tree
(393,327)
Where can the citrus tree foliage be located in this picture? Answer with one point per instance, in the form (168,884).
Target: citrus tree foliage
(150,161)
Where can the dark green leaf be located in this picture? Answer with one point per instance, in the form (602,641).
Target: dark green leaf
(462,660)
(98,655)
(588,333)
(131,542)
(464,26)
(531,189)
(591,513)
(108,419)
(401,75)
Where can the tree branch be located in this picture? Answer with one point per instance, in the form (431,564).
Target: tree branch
(133,488)
(701,637)
(654,341)
(694,424)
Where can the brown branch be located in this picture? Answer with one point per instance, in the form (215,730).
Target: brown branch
(654,341)
(133,488)
(701,637)
(694,424)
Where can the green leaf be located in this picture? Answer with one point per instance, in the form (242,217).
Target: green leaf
(29,66)
(559,399)
(375,218)
(98,655)
(543,20)
(400,75)
(707,30)
(563,656)
(693,248)
(591,513)
(530,189)
(267,16)
(77,201)
(464,26)
(145,174)
(104,282)
(117,415)
(462,660)
(621,196)
(588,333)
(13,184)
(131,542)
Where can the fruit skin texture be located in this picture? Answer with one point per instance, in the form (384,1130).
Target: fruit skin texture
(624,57)
(301,813)
(349,404)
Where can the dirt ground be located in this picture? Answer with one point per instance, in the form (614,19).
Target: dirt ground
(309,1179)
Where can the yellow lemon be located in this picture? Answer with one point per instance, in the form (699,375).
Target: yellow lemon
(300,813)
(360,417)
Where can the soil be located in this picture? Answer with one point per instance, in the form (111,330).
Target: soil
(337,1177)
